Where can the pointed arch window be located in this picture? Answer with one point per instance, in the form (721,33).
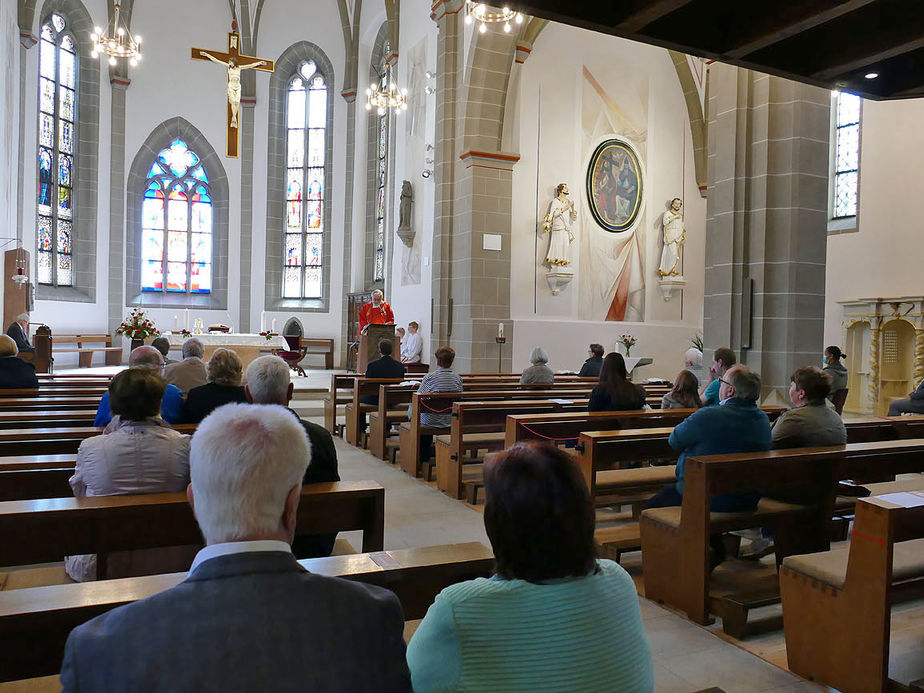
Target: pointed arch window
(176,224)
(306,187)
(381,175)
(846,155)
(57,129)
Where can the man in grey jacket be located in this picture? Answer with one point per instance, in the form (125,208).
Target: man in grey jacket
(812,422)
(190,372)
(248,617)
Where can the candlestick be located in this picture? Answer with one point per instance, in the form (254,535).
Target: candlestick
(186,316)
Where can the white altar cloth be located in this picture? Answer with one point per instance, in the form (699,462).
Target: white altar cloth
(230,340)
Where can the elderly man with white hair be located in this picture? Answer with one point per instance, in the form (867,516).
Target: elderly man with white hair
(190,372)
(171,409)
(693,362)
(18,331)
(269,382)
(248,617)
(376,312)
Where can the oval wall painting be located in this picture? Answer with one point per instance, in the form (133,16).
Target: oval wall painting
(615,185)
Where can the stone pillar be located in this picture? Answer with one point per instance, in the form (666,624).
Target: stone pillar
(349,172)
(120,84)
(766,221)
(248,104)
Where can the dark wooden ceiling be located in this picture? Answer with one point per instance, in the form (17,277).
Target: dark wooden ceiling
(829,43)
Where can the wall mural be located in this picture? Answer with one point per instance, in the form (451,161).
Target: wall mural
(615,185)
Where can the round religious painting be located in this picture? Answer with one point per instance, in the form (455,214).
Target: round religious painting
(615,185)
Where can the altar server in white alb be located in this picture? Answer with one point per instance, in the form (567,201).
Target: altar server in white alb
(558,223)
(411,344)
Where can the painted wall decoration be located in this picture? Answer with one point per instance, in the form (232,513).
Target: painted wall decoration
(615,185)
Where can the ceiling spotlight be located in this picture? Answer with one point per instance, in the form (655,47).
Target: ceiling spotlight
(430,75)
(871,75)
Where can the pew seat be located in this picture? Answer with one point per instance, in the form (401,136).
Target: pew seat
(767,510)
(830,567)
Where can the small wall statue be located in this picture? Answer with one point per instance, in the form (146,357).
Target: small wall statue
(669,273)
(558,223)
(405,232)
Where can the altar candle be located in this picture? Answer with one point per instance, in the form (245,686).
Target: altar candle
(176,323)
(500,330)
(273,329)
(186,316)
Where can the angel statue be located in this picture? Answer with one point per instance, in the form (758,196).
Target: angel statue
(558,224)
(234,80)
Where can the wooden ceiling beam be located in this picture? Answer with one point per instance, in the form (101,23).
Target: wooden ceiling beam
(792,25)
(868,58)
(649,12)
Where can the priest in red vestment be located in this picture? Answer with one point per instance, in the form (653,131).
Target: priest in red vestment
(375,313)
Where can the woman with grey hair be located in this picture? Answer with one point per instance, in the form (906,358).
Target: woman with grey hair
(539,373)
(223,386)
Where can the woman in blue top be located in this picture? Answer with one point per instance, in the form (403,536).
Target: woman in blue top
(553,618)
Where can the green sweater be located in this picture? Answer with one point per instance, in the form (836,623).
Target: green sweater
(578,634)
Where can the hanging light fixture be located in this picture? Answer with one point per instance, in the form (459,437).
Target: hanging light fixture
(387,95)
(117,41)
(478,12)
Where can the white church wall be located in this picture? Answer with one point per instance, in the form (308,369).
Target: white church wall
(882,258)
(9,118)
(410,287)
(576,87)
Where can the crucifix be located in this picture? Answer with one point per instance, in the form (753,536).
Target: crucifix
(235,62)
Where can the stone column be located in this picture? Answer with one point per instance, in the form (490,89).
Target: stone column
(120,84)
(766,221)
(349,172)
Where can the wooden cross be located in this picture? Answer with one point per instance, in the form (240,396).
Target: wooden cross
(234,61)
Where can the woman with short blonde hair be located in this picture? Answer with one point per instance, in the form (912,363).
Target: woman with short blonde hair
(224,371)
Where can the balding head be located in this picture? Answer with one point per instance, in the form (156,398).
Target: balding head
(740,382)
(146,357)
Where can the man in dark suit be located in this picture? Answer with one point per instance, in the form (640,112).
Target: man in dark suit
(19,332)
(248,617)
(593,365)
(269,382)
(383,367)
(15,374)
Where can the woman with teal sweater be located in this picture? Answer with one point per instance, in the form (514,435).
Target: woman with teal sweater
(553,618)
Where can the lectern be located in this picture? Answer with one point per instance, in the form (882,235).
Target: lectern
(369,345)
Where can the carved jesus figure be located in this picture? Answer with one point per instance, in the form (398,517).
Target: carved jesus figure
(674,236)
(234,81)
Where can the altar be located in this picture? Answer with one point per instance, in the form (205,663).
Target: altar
(247,346)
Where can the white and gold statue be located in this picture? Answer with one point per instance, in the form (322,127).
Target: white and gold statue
(558,224)
(674,237)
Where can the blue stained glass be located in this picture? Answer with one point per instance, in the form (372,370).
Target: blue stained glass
(153,191)
(202,195)
(156,170)
(44,165)
(294,185)
(44,242)
(64,169)
(64,237)
(315,184)
(152,275)
(44,197)
(177,158)
(199,174)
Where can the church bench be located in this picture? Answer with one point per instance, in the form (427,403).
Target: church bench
(46,418)
(675,540)
(479,427)
(441,402)
(58,391)
(31,484)
(86,346)
(340,384)
(355,412)
(391,409)
(35,622)
(11,463)
(46,530)
(54,440)
(318,345)
(837,604)
(52,403)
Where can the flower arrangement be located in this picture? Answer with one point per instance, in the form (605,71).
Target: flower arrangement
(137,326)
(186,334)
(628,341)
(268,334)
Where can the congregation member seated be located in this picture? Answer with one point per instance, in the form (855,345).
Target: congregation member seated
(171,409)
(723,359)
(592,366)
(190,372)
(141,454)
(269,382)
(383,367)
(913,404)
(552,617)
(835,369)
(739,425)
(443,379)
(18,331)
(248,617)
(684,394)
(539,372)
(162,344)
(693,362)
(15,374)
(412,344)
(224,373)
(812,422)
(615,392)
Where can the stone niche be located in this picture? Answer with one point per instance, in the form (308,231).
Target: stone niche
(884,342)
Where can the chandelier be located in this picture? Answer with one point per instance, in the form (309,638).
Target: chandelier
(478,11)
(387,95)
(117,41)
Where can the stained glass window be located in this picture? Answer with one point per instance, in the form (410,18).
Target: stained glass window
(381,175)
(56,152)
(305,184)
(176,224)
(846,154)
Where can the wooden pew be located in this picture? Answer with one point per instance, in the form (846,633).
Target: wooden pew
(49,441)
(477,427)
(59,391)
(837,605)
(441,402)
(320,346)
(86,346)
(35,622)
(355,412)
(340,383)
(675,540)
(392,408)
(45,418)
(42,531)
(11,463)
(52,403)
